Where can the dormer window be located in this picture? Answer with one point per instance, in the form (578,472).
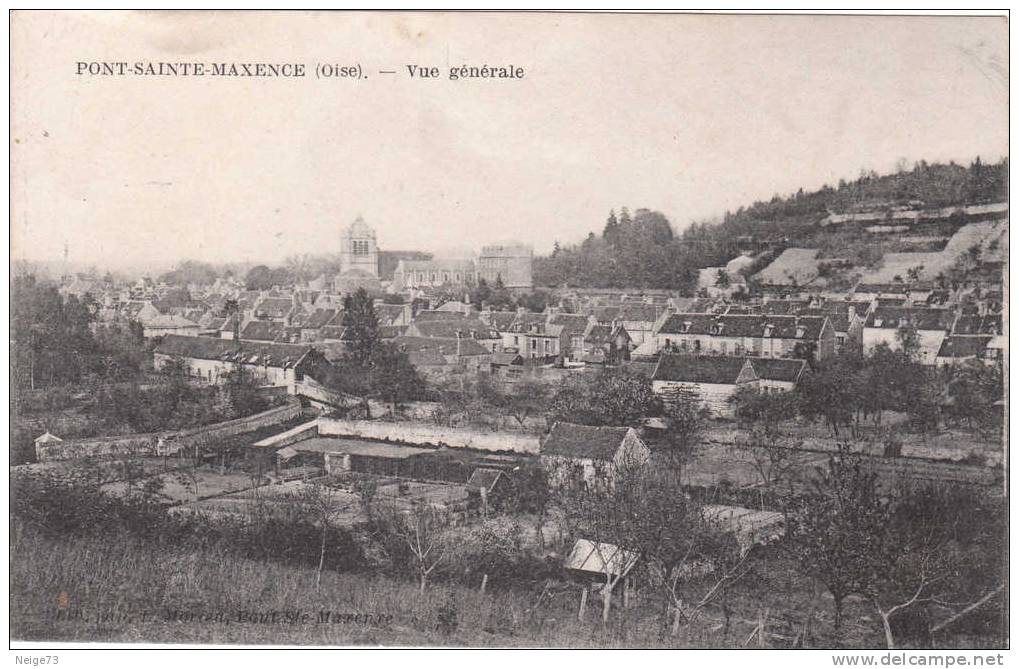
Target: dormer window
(686,326)
(800,331)
(767,330)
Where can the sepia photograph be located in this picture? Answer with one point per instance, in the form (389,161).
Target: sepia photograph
(509,330)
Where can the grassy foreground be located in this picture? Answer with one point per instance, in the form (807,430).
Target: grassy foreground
(120,590)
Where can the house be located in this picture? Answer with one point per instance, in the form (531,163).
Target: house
(274,308)
(715,379)
(758,335)
(571,334)
(847,319)
(444,354)
(597,451)
(533,337)
(465,328)
(603,344)
(975,324)
(778,375)
(393,315)
(883,324)
(262,331)
(212,359)
(310,324)
(719,282)
(639,319)
(169,324)
(956,349)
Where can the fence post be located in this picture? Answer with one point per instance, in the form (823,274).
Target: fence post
(583,603)
(484,582)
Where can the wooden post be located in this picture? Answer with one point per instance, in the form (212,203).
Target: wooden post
(762,622)
(626,592)
(583,603)
(484,582)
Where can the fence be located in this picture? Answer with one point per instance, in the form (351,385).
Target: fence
(145,444)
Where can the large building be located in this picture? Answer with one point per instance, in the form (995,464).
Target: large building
(511,263)
(434,273)
(358,249)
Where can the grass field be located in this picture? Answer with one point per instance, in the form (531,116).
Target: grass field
(123,591)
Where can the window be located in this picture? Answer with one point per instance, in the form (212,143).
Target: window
(697,344)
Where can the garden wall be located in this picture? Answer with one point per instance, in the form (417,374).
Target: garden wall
(425,433)
(145,444)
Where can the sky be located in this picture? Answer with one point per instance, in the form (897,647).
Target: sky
(689,115)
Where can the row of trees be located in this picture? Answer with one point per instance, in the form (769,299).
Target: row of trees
(633,251)
(53,342)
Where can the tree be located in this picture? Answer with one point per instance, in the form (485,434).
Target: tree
(258,277)
(319,504)
(722,279)
(530,492)
(609,397)
(393,378)
(363,325)
(685,417)
(419,533)
(526,398)
(832,530)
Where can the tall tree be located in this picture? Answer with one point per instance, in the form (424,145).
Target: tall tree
(362,325)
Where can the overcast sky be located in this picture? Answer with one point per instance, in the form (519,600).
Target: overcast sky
(689,115)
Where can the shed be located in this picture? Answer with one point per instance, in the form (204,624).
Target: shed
(596,558)
(47,438)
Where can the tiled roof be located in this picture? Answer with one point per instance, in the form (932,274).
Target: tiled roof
(208,348)
(698,369)
(434,315)
(274,307)
(570,440)
(737,325)
(261,330)
(500,320)
(571,323)
(318,318)
(444,345)
(467,328)
(921,318)
(964,346)
(778,369)
(978,325)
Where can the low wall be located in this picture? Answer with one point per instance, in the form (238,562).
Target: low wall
(145,444)
(425,433)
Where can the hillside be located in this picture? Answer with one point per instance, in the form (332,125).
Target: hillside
(852,225)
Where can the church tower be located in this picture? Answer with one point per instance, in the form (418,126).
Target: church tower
(358,250)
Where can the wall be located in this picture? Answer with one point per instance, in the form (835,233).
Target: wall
(715,396)
(425,433)
(145,444)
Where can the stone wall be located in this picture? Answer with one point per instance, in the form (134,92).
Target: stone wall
(145,444)
(425,433)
